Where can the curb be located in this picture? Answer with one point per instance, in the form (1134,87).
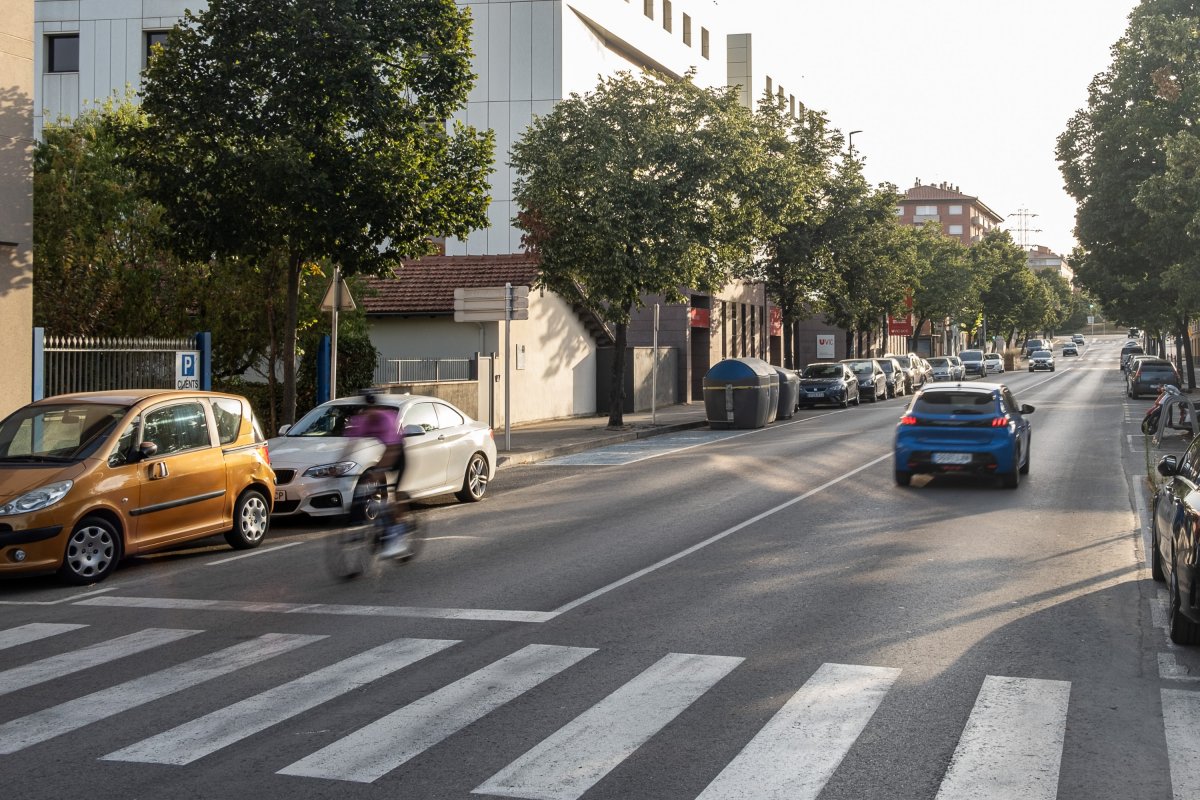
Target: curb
(534,456)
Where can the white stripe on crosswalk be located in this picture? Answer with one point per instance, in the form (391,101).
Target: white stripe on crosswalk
(797,751)
(1181,715)
(578,755)
(48,669)
(377,749)
(74,714)
(1012,744)
(23,634)
(200,737)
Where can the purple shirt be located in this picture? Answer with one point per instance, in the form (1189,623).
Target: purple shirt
(376,422)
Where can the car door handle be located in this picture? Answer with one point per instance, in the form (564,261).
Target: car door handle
(158,470)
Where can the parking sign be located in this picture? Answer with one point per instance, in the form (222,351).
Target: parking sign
(187,369)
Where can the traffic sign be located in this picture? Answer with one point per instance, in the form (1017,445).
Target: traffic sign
(344,301)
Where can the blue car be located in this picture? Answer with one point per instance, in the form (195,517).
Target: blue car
(964,429)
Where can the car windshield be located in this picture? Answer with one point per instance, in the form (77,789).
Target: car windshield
(823,371)
(861,367)
(1041,354)
(887,366)
(971,355)
(992,357)
(939,362)
(326,420)
(57,434)
(955,403)
(904,361)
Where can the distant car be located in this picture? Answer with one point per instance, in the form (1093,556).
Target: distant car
(872,382)
(1134,333)
(915,373)
(960,371)
(1077,338)
(973,362)
(1069,349)
(897,377)
(925,368)
(1032,345)
(317,467)
(828,382)
(943,370)
(1175,541)
(1128,351)
(993,362)
(1041,359)
(1149,376)
(964,428)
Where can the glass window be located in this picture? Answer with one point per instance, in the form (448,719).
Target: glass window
(154,38)
(648,8)
(326,420)
(954,210)
(228,414)
(178,427)
(687,30)
(124,446)
(57,433)
(666,12)
(62,53)
(956,403)
(704,42)
(448,417)
(926,211)
(422,414)
(955,230)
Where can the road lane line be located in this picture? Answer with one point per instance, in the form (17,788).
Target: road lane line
(575,758)
(712,539)
(200,737)
(1012,744)
(258,552)
(74,714)
(797,751)
(32,632)
(375,750)
(68,599)
(1181,710)
(47,669)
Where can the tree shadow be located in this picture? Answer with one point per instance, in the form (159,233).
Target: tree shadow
(16,191)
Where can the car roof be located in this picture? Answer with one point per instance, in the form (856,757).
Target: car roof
(388,399)
(128,397)
(974,386)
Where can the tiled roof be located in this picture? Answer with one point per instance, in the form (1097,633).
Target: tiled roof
(426,286)
(935,193)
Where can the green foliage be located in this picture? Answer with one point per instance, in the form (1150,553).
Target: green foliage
(311,130)
(944,283)
(1009,284)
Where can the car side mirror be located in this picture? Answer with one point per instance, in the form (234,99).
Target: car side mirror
(1168,466)
(414,430)
(1027,409)
(284,429)
(147,450)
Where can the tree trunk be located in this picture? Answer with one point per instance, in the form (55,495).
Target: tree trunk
(289,341)
(916,334)
(1187,356)
(849,344)
(787,343)
(616,391)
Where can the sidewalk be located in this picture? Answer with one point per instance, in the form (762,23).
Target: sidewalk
(538,441)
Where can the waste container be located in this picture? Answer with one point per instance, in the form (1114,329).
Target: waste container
(789,393)
(737,393)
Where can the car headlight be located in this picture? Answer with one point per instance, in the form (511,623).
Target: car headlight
(37,499)
(331,470)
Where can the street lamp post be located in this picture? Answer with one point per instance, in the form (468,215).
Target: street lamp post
(851,137)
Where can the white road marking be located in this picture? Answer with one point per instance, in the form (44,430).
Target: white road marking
(1181,709)
(375,750)
(257,552)
(578,755)
(69,599)
(74,714)
(1012,745)
(32,632)
(47,669)
(200,737)
(476,614)
(797,751)
(1170,669)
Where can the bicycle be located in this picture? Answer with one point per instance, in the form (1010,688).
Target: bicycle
(356,550)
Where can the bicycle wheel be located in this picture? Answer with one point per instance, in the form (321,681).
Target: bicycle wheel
(352,552)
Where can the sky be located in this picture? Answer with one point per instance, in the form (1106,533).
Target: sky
(968,92)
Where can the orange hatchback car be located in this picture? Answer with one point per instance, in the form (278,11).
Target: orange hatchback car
(87,479)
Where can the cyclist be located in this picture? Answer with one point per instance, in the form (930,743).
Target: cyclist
(381,421)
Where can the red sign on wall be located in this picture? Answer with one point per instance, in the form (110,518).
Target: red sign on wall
(900,327)
(698,317)
(776,321)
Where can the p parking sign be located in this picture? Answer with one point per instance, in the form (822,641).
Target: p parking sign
(187,369)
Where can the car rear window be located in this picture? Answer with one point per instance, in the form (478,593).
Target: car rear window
(971,355)
(1157,368)
(955,403)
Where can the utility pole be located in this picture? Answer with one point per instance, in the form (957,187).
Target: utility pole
(1024,227)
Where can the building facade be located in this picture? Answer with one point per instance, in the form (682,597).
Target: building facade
(16,200)
(1042,259)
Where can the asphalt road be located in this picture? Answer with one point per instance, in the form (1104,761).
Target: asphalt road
(759,614)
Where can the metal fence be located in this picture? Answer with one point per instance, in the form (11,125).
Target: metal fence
(100,363)
(424,370)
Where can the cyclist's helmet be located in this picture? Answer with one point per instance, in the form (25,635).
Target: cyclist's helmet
(369,396)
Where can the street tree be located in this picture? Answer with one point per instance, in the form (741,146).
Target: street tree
(639,187)
(944,285)
(311,130)
(1008,281)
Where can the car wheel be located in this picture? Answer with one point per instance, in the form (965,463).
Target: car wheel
(1031,369)
(903,478)
(1028,458)
(92,553)
(1156,567)
(369,497)
(1183,630)
(845,403)
(475,480)
(1012,480)
(251,519)
(858,399)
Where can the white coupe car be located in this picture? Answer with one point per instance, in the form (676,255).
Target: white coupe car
(317,466)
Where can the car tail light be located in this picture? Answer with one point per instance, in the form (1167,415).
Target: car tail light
(1000,422)
(265,452)
(908,419)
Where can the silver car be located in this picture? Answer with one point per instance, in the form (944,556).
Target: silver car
(943,369)
(317,466)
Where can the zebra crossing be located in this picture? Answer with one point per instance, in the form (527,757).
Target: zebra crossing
(1011,746)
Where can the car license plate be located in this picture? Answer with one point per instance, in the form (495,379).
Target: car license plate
(1156,386)
(952,458)
(280,495)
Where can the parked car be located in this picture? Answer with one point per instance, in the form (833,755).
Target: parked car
(897,377)
(1129,350)
(914,372)
(1041,359)
(964,428)
(925,368)
(828,382)
(1149,376)
(1069,349)
(1077,338)
(993,362)
(88,479)
(318,467)
(872,383)
(943,370)
(973,362)
(960,371)
(1175,542)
